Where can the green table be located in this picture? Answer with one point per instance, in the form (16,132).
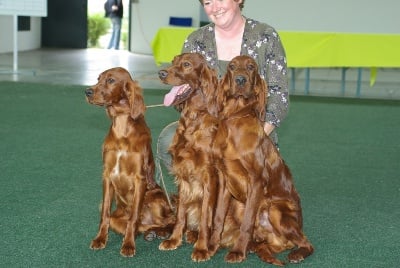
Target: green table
(308,50)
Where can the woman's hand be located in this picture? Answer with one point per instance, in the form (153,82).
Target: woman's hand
(268,128)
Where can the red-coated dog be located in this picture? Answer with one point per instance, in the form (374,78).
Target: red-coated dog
(128,165)
(194,85)
(257,192)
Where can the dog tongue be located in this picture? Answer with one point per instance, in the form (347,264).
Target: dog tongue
(170,97)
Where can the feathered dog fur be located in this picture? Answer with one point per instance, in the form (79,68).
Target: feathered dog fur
(128,165)
(257,193)
(192,162)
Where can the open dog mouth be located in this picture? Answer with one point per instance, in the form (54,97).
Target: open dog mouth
(177,94)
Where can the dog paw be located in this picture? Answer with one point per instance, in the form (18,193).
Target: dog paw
(191,237)
(235,257)
(212,249)
(200,255)
(170,244)
(272,260)
(296,261)
(162,234)
(98,243)
(128,250)
(295,258)
(298,255)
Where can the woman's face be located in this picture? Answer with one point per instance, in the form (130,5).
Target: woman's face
(222,12)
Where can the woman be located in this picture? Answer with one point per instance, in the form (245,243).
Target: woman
(230,34)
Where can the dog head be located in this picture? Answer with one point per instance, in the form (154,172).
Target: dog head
(188,73)
(118,92)
(243,85)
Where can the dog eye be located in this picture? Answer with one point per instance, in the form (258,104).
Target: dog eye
(250,67)
(110,80)
(186,64)
(231,67)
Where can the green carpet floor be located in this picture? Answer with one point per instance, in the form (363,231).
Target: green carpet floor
(343,153)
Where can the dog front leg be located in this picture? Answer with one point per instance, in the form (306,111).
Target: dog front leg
(200,251)
(128,248)
(223,200)
(100,241)
(175,240)
(239,250)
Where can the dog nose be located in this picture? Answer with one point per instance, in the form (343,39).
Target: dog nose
(162,74)
(89,92)
(240,80)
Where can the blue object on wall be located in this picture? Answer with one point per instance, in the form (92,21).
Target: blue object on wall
(180,21)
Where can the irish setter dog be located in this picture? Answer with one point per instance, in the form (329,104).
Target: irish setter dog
(193,91)
(257,193)
(141,206)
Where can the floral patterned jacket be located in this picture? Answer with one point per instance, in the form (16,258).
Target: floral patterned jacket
(263,43)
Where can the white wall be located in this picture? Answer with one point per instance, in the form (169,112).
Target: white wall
(27,40)
(149,15)
(357,16)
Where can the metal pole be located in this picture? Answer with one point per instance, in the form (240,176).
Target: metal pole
(15,53)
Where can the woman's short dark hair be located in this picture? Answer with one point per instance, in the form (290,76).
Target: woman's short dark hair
(241,5)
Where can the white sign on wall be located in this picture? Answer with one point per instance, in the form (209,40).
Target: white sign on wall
(34,8)
(15,8)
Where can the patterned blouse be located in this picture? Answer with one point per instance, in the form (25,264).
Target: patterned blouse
(261,42)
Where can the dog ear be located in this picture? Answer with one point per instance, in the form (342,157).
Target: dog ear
(210,89)
(135,98)
(224,87)
(260,87)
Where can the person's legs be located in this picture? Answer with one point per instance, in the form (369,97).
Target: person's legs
(116,33)
(111,43)
(163,143)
